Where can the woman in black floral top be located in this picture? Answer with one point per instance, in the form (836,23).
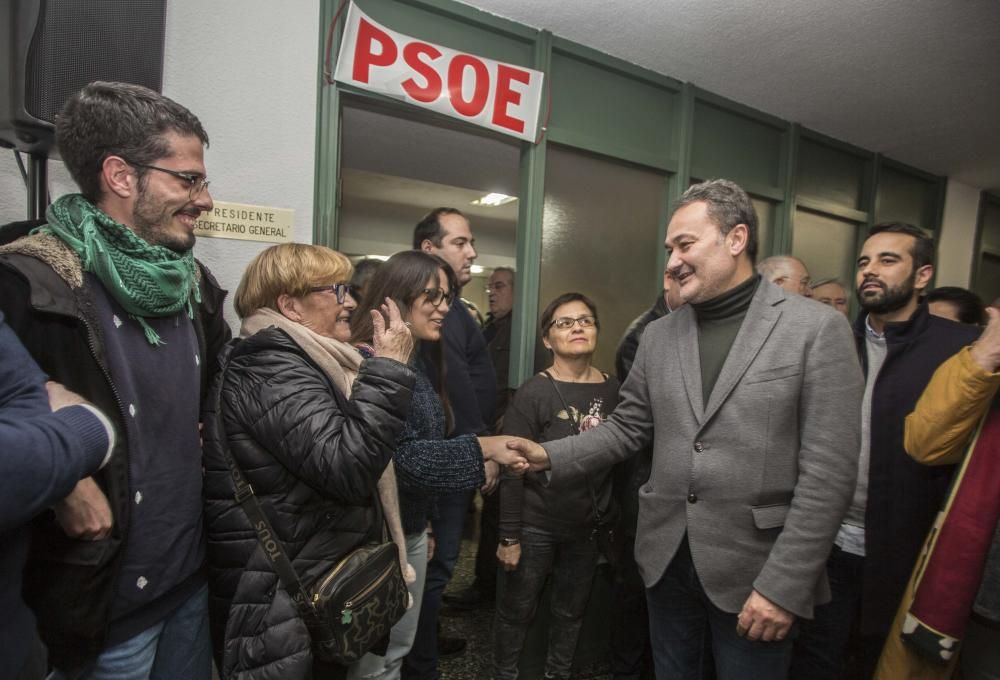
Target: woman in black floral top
(547,529)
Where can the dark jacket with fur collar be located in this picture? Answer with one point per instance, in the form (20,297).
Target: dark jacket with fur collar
(45,299)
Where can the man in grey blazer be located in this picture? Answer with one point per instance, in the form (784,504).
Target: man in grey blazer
(750,398)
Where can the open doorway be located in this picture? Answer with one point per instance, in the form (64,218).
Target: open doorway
(396,166)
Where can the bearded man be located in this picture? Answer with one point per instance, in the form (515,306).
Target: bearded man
(109,300)
(900,345)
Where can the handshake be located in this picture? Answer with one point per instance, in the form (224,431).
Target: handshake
(518,454)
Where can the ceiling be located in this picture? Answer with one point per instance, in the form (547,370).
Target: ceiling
(915,80)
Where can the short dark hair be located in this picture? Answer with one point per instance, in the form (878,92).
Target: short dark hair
(364,270)
(969,305)
(923,245)
(118,119)
(429,228)
(728,205)
(565,298)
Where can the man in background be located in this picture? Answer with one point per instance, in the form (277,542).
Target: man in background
(496,332)
(831,292)
(900,344)
(788,272)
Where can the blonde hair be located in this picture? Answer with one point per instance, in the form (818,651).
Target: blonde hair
(290,268)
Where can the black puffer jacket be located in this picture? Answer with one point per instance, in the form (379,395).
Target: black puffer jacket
(313,459)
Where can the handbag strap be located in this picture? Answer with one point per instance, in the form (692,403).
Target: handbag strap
(571,414)
(266,535)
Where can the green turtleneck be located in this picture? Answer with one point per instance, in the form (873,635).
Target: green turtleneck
(719,320)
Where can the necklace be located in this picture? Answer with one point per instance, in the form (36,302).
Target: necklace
(585,378)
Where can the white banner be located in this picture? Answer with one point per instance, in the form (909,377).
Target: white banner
(495,95)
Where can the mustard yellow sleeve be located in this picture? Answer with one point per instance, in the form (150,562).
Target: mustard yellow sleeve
(949,410)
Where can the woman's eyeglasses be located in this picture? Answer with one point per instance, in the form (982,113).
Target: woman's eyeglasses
(436,296)
(339,289)
(566,322)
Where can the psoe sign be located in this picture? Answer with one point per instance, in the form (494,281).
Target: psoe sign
(499,96)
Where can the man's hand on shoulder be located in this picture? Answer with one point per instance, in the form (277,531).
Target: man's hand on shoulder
(85,512)
(761,619)
(533,452)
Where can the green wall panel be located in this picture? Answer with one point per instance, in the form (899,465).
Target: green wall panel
(611,112)
(449,30)
(735,146)
(830,174)
(905,197)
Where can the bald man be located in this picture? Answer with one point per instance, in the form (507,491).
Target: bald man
(788,272)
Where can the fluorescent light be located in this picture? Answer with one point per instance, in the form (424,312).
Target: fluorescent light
(476,269)
(493,200)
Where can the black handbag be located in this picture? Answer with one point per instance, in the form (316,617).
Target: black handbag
(606,534)
(350,608)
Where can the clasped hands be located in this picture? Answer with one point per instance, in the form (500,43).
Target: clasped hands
(518,454)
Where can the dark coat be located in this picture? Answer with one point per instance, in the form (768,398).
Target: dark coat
(70,583)
(903,496)
(313,459)
(631,474)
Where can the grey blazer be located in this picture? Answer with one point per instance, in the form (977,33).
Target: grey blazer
(761,477)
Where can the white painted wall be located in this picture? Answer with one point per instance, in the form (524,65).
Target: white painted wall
(248,70)
(958,235)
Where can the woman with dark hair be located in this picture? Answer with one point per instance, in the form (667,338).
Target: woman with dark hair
(957,304)
(426,462)
(543,529)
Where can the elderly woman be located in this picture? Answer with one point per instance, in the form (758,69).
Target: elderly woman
(312,426)
(547,530)
(426,461)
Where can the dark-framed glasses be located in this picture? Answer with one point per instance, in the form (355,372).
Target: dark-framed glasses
(436,296)
(196,183)
(339,289)
(566,322)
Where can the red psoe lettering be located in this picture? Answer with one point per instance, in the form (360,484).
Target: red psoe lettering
(411,55)
(364,57)
(505,97)
(480,93)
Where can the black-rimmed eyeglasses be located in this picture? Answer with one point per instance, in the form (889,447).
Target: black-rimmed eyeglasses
(436,296)
(339,289)
(196,183)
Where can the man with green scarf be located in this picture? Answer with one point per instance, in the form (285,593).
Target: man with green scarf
(109,300)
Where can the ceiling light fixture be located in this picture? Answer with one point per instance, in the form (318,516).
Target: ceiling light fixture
(493,200)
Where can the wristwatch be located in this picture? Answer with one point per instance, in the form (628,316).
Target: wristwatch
(507,542)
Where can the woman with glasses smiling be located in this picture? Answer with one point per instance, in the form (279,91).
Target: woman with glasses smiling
(426,460)
(543,529)
(310,424)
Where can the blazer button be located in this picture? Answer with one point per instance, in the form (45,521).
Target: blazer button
(692,498)
(699,447)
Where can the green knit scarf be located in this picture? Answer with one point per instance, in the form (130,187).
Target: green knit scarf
(147,280)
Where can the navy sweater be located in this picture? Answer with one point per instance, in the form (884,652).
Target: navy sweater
(42,457)
(426,462)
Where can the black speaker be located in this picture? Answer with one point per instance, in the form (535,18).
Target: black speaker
(52,48)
